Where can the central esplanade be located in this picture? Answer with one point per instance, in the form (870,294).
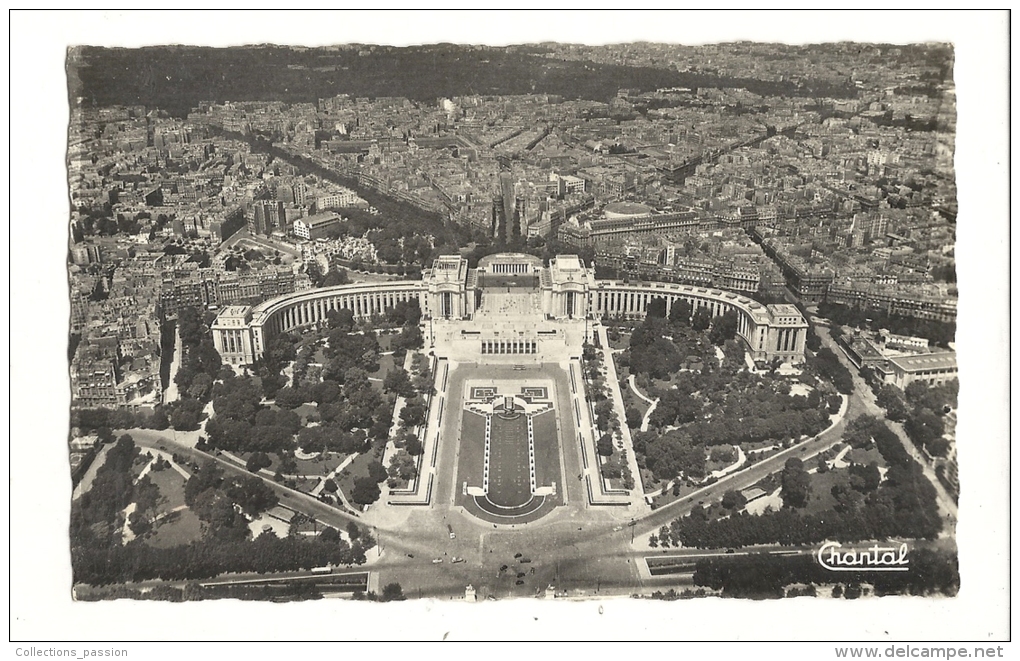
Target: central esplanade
(510,307)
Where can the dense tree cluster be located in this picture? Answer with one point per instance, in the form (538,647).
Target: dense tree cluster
(939,332)
(87,420)
(200,362)
(96,564)
(269,368)
(743,408)
(99,557)
(220,501)
(669,455)
(724,328)
(921,409)
(720,404)
(420,73)
(796,483)
(828,366)
(652,354)
(111,491)
(903,505)
(241,422)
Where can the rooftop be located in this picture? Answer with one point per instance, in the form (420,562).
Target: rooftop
(927,361)
(784,309)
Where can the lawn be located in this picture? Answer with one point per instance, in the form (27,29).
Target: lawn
(176,529)
(385,365)
(359,468)
(547,446)
(171,487)
(865,457)
(622,343)
(711,466)
(306,411)
(821,489)
(472,449)
(320,465)
(668,497)
(630,400)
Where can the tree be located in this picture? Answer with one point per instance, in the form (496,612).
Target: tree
(398,382)
(702,319)
(252,495)
(257,461)
(603,414)
(336,276)
(376,471)
(186,414)
(680,312)
(847,498)
(291,398)
(796,484)
(813,342)
(734,500)
(200,386)
(413,446)
(353,531)
(392,592)
(342,319)
(140,523)
(605,445)
(890,398)
(939,447)
(724,328)
(923,427)
(865,478)
(634,417)
(329,535)
(657,307)
(366,491)
(329,486)
(413,412)
(402,466)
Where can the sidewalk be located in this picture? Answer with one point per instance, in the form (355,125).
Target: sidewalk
(613,383)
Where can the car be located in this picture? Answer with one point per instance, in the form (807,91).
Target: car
(456,560)
(410,555)
(520,574)
(453,535)
(503,568)
(731,550)
(162,447)
(437,561)
(517,555)
(518,582)
(524,561)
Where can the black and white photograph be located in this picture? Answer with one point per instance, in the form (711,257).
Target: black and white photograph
(515,325)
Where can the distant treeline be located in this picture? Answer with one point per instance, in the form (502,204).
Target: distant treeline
(177,78)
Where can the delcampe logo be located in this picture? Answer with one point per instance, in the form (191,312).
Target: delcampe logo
(833,556)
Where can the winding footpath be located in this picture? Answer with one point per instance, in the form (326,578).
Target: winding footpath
(651,403)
